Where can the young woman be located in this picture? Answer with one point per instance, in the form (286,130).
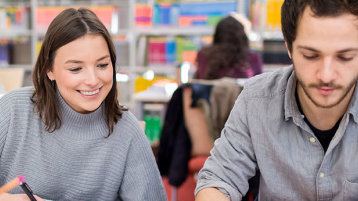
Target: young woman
(68,135)
(229,55)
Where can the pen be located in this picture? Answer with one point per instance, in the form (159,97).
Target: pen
(28,191)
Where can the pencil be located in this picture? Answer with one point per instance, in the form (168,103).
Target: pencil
(11,184)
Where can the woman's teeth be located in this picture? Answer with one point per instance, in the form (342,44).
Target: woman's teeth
(89,93)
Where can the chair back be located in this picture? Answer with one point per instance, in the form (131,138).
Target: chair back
(11,78)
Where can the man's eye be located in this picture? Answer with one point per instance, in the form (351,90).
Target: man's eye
(310,57)
(344,58)
(103,65)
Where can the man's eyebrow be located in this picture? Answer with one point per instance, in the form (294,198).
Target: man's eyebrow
(348,50)
(314,50)
(307,48)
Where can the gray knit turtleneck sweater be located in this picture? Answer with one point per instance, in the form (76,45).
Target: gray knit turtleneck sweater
(76,162)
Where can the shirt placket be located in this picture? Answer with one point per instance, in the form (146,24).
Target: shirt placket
(323,177)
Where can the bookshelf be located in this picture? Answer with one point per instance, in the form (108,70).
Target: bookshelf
(15,34)
(154,19)
(176,30)
(23,24)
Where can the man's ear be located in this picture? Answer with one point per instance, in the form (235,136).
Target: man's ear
(50,75)
(288,51)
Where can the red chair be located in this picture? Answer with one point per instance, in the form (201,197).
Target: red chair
(186,191)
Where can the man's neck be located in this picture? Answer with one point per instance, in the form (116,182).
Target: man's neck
(322,118)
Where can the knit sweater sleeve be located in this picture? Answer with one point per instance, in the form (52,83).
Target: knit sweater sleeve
(141,180)
(5,116)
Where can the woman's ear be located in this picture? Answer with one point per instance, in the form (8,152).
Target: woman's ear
(50,75)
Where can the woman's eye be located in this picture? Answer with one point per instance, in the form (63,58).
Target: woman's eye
(75,69)
(103,65)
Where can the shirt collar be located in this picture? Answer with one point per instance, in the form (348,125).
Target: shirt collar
(290,104)
(353,105)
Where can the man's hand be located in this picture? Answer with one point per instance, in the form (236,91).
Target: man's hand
(210,194)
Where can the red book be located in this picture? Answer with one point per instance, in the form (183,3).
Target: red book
(156,50)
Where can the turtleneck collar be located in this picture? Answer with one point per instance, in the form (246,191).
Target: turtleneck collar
(80,126)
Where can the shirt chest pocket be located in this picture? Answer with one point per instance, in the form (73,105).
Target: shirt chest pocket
(350,190)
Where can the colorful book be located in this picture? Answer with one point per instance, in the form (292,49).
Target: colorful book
(4,54)
(156,50)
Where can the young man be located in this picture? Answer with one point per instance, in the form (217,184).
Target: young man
(298,125)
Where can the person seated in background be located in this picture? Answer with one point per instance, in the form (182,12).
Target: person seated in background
(229,55)
(298,124)
(68,135)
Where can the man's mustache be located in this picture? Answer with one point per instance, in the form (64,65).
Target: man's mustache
(327,84)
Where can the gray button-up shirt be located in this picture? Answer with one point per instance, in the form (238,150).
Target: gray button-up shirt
(265,130)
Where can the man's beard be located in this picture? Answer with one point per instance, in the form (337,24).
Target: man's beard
(330,85)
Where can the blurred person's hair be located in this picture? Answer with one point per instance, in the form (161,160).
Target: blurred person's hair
(230,48)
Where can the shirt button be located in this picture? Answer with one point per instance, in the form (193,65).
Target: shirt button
(321,175)
(312,139)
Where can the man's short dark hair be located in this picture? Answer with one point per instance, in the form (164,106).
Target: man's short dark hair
(292,11)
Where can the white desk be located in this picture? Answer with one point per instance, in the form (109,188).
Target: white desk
(149,96)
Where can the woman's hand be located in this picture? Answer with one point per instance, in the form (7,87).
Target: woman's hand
(17,197)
